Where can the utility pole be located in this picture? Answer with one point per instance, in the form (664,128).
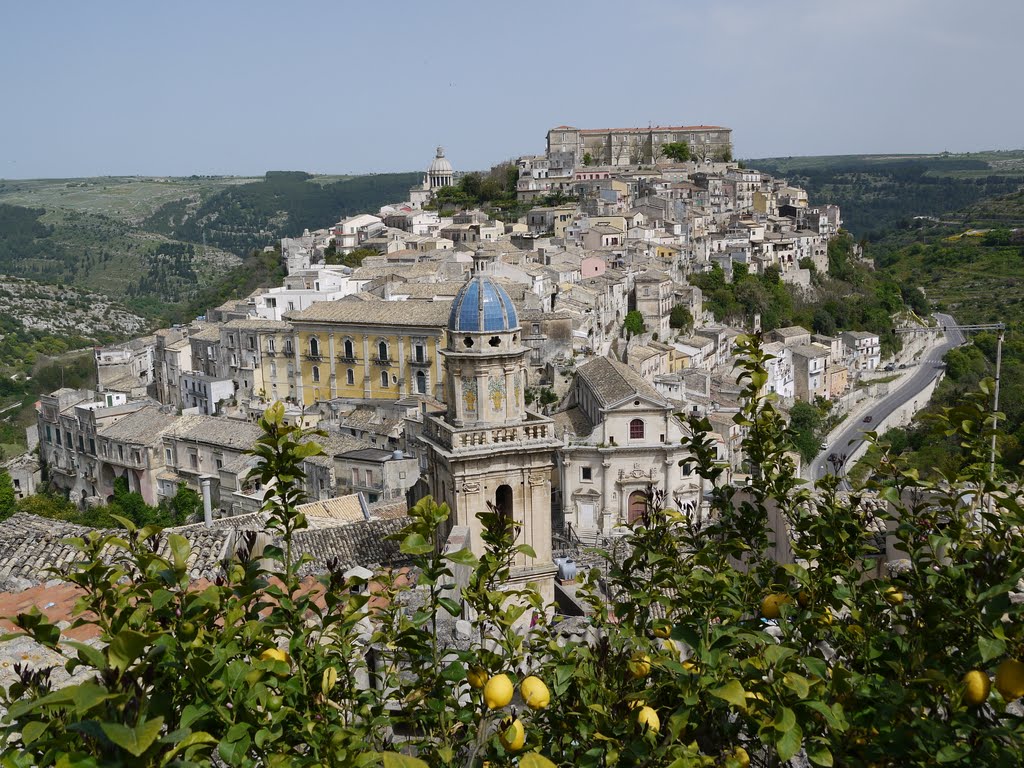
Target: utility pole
(1001,328)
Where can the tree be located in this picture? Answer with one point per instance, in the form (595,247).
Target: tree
(805,421)
(634,323)
(8,500)
(676,150)
(740,658)
(680,318)
(588,159)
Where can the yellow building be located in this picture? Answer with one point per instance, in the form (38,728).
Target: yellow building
(370,350)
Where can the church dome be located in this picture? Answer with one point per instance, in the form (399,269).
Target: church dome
(481,305)
(440,166)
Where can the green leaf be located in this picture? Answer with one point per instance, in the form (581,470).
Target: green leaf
(950,753)
(733,693)
(88,695)
(789,743)
(179,550)
(395,760)
(463,557)
(991,648)
(785,720)
(32,730)
(527,550)
(535,760)
(89,655)
(450,605)
(126,646)
(820,756)
(161,598)
(798,684)
(415,544)
(134,740)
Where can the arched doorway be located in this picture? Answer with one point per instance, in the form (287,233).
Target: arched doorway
(637,506)
(421,382)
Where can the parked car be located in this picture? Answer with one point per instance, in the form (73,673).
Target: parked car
(868,418)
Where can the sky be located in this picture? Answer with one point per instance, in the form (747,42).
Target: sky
(180,87)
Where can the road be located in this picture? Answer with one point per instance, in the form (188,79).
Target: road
(927,368)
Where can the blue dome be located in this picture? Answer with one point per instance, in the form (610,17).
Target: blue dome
(482,305)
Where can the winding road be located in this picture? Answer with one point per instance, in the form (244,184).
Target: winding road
(849,438)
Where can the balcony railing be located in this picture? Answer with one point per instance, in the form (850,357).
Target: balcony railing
(426,362)
(314,358)
(343,358)
(384,362)
(449,437)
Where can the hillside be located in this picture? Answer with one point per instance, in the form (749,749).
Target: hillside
(882,193)
(164,246)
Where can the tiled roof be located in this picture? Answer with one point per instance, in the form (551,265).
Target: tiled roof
(572,420)
(143,427)
(258,324)
(346,546)
(211,333)
(407,313)
(342,508)
(611,381)
(229,433)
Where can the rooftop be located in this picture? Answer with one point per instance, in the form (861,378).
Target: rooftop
(611,382)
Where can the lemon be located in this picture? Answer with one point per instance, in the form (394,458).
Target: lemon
(976,687)
(477,677)
(274,654)
(892,596)
(1010,679)
(662,630)
(639,666)
(498,692)
(512,734)
(739,757)
(647,716)
(535,693)
(772,604)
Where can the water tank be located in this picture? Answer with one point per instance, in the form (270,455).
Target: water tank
(566,568)
(397,455)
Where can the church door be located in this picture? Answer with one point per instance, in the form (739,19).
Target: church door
(637,505)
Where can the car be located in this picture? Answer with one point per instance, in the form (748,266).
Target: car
(823,446)
(890,367)
(868,418)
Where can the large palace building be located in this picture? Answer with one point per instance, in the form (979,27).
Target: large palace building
(634,146)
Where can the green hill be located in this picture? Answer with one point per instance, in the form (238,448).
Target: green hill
(881,193)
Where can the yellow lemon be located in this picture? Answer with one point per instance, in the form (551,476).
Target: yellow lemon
(639,666)
(274,654)
(772,604)
(1010,679)
(477,677)
(804,598)
(647,716)
(535,693)
(740,757)
(826,615)
(498,692)
(512,734)
(976,687)
(662,630)
(892,596)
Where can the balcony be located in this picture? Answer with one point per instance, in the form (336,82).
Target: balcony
(451,438)
(424,362)
(314,358)
(347,359)
(383,362)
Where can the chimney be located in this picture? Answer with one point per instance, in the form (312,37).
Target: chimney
(205,483)
(363,506)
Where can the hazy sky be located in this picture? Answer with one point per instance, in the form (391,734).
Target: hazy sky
(217,87)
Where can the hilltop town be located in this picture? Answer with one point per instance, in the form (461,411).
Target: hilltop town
(544,365)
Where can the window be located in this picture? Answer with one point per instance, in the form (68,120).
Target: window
(316,373)
(49,435)
(586,474)
(167,456)
(350,376)
(421,382)
(219,463)
(67,438)
(231,340)
(355,476)
(420,353)
(193,460)
(382,350)
(383,378)
(369,477)
(58,436)
(252,342)
(270,345)
(272,303)
(120,453)
(92,446)
(349,350)
(314,347)
(636,429)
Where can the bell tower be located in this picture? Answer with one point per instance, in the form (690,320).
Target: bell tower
(488,448)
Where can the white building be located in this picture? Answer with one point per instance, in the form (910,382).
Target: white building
(206,393)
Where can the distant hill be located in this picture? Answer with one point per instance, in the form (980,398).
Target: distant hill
(283,204)
(882,193)
(165,245)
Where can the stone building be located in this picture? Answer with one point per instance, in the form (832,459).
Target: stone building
(439,174)
(487,448)
(633,146)
(621,440)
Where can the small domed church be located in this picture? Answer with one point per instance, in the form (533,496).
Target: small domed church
(487,447)
(438,175)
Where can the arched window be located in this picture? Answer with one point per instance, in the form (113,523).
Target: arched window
(316,373)
(382,350)
(637,506)
(350,376)
(383,378)
(314,347)
(421,382)
(636,429)
(503,506)
(349,349)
